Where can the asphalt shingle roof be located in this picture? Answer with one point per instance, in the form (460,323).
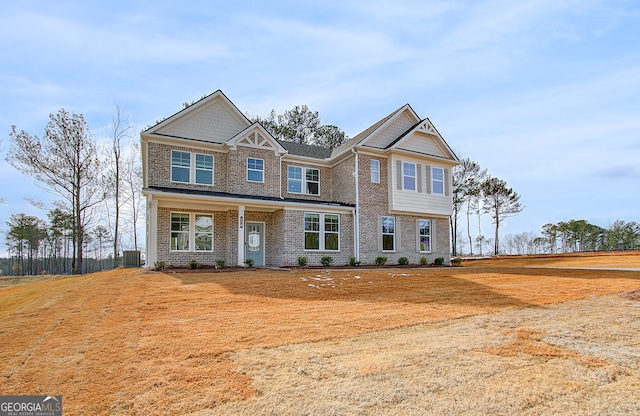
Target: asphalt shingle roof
(307,150)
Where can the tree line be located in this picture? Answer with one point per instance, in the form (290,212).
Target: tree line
(98,184)
(574,236)
(477,193)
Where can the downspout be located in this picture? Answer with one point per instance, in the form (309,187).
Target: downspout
(356,215)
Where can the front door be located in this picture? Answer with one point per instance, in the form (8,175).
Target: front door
(254,242)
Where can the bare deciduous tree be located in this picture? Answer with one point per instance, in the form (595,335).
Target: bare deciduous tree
(66,162)
(119,132)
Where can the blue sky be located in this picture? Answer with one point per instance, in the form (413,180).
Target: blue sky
(545,94)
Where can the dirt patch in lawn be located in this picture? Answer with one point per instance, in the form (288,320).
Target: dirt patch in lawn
(135,342)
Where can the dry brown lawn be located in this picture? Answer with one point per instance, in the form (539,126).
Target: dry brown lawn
(470,340)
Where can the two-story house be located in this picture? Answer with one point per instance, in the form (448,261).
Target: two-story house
(220,187)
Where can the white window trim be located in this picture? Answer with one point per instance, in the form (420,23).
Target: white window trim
(433,181)
(430,236)
(376,170)
(303,181)
(255,170)
(322,232)
(415,177)
(192,168)
(394,234)
(192,232)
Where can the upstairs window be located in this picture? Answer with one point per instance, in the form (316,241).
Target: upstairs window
(255,170)
(294,179)
(191,168)
(375,171)
(437,181)
(408,176)
(313,181)
(297,183)
(204,169)
(180,166)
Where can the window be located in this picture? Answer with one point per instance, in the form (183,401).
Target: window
(297,184)
(187,169)
(255,170)
(184,236)
(437,180)
(180,166)
(179,232)
(204,232)
(388,233)
(313,181)
(312,231)
(408,176)
(294,179)
(204,169)
(375,171)
(321,232)
(331,232)
(424,235)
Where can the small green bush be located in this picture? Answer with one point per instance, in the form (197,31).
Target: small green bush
(302,261)
(423,261)
(159,265)
(439,261)
(456,261)
(381,260)
(326,261)
(192,264)
(248,262)
(353,262)
(220,264)
(403,261)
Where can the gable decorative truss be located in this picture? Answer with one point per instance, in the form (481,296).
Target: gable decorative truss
(257,137)
(427,127)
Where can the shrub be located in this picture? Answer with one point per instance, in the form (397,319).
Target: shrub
(302,261)
(192,264)
(456,261)
(326,261)
(423,261)
(403,261)
(159,265)
(353,262)
(220,264)
(248,262)
(439,261)
(381,260)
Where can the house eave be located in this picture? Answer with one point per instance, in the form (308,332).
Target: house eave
(214,198)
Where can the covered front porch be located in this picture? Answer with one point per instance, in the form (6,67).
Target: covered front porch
(236,230)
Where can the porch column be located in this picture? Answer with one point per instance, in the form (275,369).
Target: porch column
(241,252)
(152,231)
